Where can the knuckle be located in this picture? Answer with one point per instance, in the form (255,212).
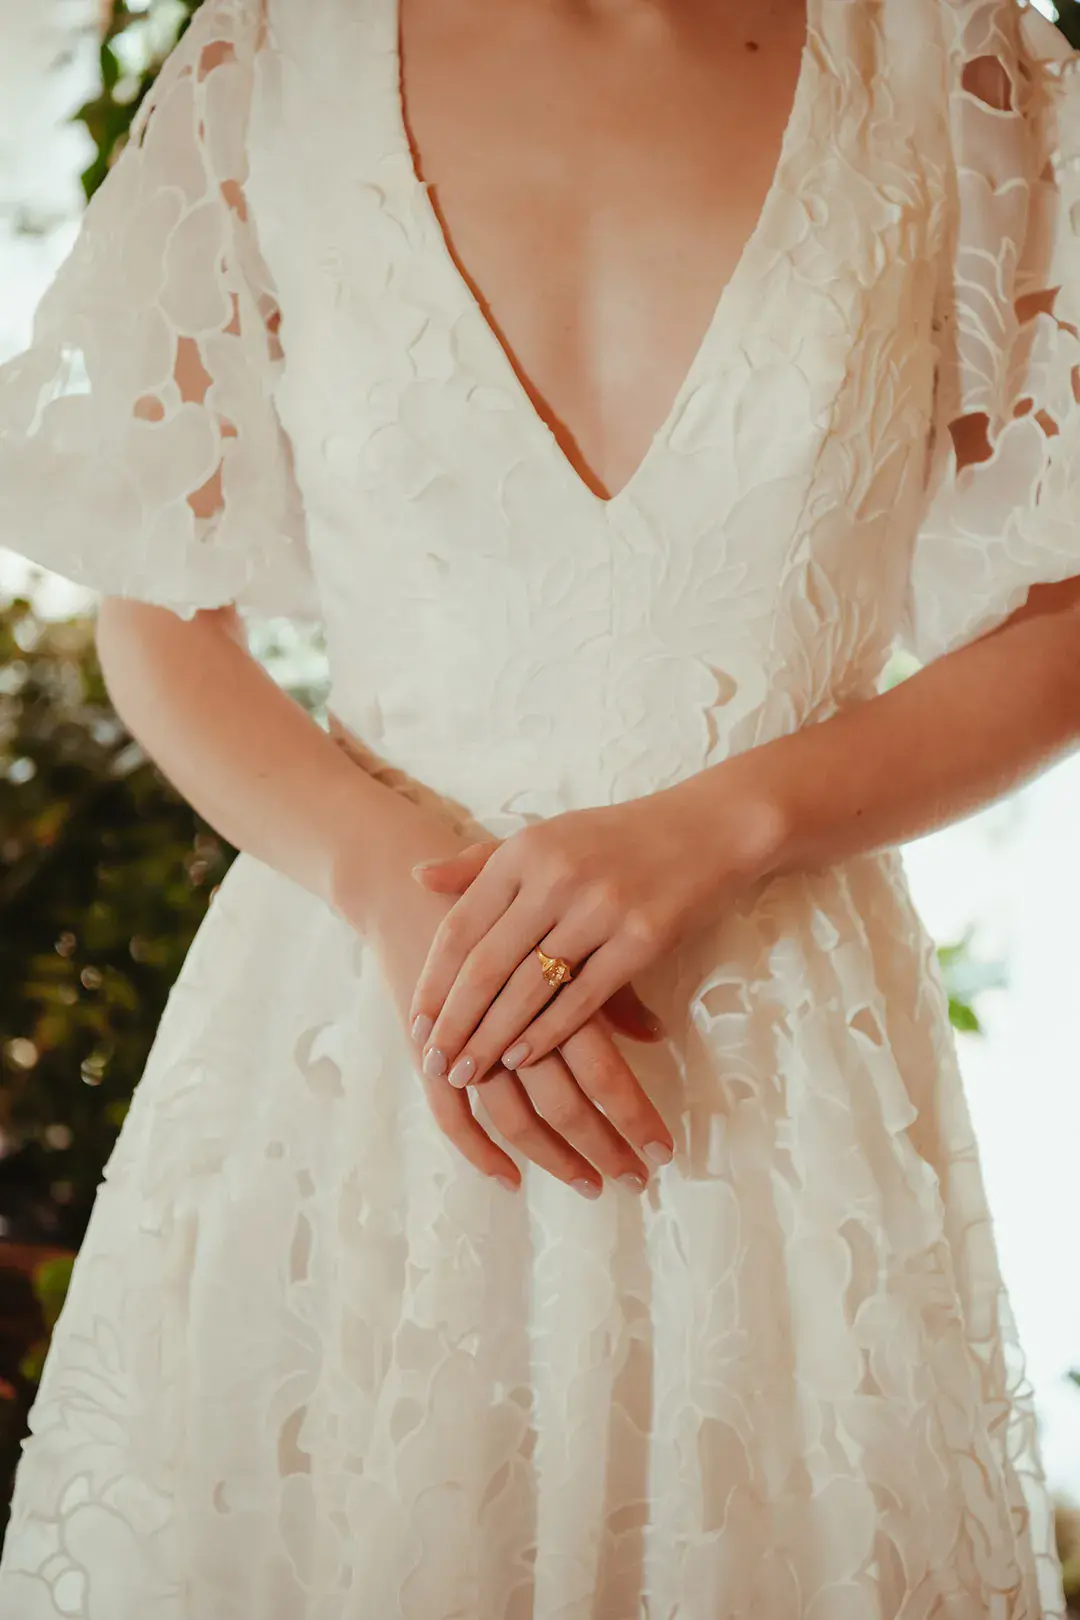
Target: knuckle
(566,1113)
(606,896)
(475,973)
(640,926)
(512,1118)
(610,1081)
(450,930)
(588,1048)
(519,1130)
(556,879)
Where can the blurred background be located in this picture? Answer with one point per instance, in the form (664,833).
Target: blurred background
(105,874)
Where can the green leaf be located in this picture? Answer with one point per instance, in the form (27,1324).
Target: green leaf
(50,1283)
(963,1017)
(30,1367)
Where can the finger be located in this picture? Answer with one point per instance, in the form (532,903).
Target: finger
(600,976)
(456,872)
(454,1116)
(606,1078)
(468,920)
(512,1010)
(511,1111)
(558,1096)
(630,1016)
(499,990)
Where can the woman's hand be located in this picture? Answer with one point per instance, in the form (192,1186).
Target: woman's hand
(609,890)
(581,1113)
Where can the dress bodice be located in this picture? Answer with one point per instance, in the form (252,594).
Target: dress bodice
(358,449)
(492,622)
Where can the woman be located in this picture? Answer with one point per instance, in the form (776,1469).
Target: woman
(624,691)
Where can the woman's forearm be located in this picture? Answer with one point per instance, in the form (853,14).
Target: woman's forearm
(244,754)
(960,733)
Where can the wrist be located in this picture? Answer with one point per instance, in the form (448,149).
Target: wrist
(379,836)
(369,845)
(739,819)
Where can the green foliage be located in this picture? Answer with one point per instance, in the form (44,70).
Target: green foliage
(133,46)
(105,874)
(1069,20)
(50,1285)
(965,975)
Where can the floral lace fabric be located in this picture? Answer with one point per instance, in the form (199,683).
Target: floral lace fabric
(140,452)
(1006,469)
(311,1365)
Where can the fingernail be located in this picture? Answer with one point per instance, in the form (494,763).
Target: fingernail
(658,1152)
(656,1026)
(504,1181)
(587,1189)
(422,866)
(421,1028)
(434,1063)
(635,1183)
(517,1054)
(462,1072)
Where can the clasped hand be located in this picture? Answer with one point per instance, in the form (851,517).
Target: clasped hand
(609,890)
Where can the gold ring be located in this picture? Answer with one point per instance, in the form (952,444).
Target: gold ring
(554,969)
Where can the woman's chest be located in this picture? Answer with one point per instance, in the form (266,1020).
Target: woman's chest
(789,466)
(596,174)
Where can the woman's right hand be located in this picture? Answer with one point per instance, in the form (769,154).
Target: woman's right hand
(550,1113)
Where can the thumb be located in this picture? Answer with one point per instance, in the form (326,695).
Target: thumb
(454,873)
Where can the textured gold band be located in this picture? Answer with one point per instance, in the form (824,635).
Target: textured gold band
(554,969)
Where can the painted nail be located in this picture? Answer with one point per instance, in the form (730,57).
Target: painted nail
(434,1063)
(655,1026)
(587,1189)
(462,1072)
(632,1181)
(658,1152)
(421,1028)
(516,1054)
(504,1181)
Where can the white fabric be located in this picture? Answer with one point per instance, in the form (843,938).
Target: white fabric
(313,1366)
(99,450)
(1007,352)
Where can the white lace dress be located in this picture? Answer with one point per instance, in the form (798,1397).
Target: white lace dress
(312,1365)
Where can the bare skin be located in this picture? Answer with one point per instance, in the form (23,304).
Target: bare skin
(260,771)
(581,161)
(597,166)
(581,158)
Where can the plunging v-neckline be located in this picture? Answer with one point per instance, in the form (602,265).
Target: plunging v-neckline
(459,284)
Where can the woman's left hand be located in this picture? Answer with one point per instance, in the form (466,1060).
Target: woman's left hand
(608,889)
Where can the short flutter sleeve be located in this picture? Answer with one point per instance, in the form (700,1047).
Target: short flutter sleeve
(1002,506)
(141,453)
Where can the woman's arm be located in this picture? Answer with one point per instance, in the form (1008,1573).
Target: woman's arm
(243,752)
(612,889)
(962,732)
(261,771)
